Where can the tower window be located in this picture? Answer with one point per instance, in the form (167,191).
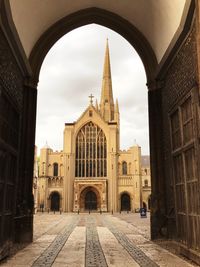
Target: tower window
(90,113)
(124,168)
(55,169)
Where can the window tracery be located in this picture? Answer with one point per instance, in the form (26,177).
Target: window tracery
(91,152)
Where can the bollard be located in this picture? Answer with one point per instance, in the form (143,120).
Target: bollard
(48,210)
(100,211)
(54,211)
(89,211)
(60,211)
(112,212)
(78,212)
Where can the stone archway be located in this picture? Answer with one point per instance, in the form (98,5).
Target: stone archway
(90,199)
(125,202)
(55,201)
(160,104)
(101,17)
(155,76)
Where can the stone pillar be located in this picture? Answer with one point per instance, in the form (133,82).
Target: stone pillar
(156,156)
(24,216)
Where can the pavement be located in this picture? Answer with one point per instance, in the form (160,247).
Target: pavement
(93,240)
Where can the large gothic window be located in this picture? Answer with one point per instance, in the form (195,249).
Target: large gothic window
(91,152)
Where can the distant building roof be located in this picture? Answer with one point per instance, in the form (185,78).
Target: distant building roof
(145,161)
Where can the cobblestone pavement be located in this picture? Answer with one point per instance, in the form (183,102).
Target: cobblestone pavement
(94,254)
(93,240)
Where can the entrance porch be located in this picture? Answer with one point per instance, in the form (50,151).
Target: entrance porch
(90,195)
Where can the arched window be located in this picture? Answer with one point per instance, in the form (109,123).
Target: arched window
(91,152)
(124,168)
(146,183)
(55,169)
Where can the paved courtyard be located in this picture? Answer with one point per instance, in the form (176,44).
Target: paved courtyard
(119,240)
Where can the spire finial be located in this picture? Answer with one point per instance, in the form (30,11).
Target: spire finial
(91,101)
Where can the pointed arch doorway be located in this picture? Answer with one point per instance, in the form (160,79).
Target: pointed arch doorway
(125,202)
(55,201)
(90,200)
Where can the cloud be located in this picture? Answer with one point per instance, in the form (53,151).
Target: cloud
(72,70)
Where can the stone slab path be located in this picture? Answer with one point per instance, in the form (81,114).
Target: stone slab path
(93,240)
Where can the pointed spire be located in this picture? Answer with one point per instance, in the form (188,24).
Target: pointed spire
(107,103)
(107,71)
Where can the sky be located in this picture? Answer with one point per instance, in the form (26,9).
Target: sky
(73,69)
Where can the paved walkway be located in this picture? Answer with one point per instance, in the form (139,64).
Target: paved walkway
(93,240)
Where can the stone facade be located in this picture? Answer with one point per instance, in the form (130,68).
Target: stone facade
(91,172)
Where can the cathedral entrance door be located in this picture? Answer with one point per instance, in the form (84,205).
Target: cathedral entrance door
(125,202)
(55,201)
(90,201)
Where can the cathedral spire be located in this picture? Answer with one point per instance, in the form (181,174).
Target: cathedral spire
(107,103)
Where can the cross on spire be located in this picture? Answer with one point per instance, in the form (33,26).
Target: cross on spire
(91,101)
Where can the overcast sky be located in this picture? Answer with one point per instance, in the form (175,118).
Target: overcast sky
(73,69)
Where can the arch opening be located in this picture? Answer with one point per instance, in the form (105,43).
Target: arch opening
(125,202)
(55,201)
(90,199)
(100,17)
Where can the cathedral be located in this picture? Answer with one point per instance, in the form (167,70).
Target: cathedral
(91,173)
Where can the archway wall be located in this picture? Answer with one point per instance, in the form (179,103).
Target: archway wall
(162,18)
(101,17)
(16,148)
